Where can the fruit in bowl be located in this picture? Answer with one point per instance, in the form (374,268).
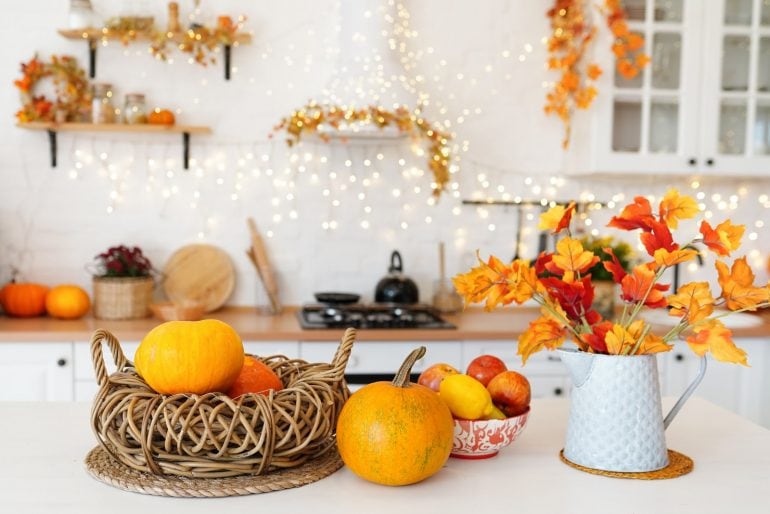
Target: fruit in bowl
(484,438)
(510,392)
(432,376)
(485,367)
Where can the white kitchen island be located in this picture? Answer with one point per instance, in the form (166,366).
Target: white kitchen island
(42,471)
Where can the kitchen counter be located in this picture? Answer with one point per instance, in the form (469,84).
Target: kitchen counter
(43,447)
(472,324)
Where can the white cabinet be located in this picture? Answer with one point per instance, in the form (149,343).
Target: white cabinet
(546,374)
(36,371)
(85,386)
(288,349)
(702,106)
(743,390)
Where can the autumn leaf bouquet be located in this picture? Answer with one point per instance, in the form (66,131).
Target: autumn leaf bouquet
(560,282)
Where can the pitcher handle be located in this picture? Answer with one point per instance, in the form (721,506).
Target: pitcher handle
(686,395)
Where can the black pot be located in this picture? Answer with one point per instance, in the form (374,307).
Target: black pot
(395,287)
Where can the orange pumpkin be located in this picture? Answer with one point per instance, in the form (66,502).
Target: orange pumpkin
(67,302)
(255,377)
(395,433)
(23,300)
(161,117)
(195,357)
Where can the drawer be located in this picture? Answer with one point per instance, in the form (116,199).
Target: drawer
(289,349)
(84,366)
(549,386)
(384,356)
(541,363)
(85,390)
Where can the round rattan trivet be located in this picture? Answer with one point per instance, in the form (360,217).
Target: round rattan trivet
(104,468)
(678,465)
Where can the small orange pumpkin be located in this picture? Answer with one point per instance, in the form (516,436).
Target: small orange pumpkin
(23,300)
(194,357)
(395,433)
(161,117)
(255,377)
(67,302)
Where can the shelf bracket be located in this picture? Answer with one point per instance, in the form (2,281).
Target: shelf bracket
(52,146)
(92,58)
(186,150)
(228,55)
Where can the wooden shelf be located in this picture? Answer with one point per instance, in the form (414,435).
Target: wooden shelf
(54,128)
(93,36)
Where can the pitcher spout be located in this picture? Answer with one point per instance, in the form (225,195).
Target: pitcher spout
(579,365)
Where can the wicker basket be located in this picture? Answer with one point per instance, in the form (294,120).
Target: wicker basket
(122,297)
(213,435)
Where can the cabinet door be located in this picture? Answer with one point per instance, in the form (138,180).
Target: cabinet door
(735,135)
(649,123)
(740,389)
(85,376)
(36,371)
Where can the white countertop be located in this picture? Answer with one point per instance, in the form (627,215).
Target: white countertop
(43,446)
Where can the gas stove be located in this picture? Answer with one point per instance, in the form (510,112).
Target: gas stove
(370,316)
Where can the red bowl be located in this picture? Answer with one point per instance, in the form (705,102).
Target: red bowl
(483,438)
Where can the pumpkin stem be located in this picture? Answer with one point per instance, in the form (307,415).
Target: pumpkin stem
(402,377)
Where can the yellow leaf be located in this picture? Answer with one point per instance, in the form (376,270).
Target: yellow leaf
(738,286)
(557,218)
(653,344)
(618,339)
(571,258)
(497,283)
(542,333)
(674,207)
(665,258)
(715,338)
(692,300)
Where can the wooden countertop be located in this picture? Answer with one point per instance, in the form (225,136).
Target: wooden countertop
(472,324)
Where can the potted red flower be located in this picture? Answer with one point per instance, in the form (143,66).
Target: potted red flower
(123,283)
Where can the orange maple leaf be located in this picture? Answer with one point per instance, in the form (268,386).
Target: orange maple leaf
(653,344)
(497,283)
(738,286)
(665,258)
(627,69)
(634,42)
(594,71)
(693,301)
(642,60)
(674,207)
(557,218)
(570,80)
(585,97)
(618,339)
(570,258)
(714,337)
(723,239)
(640,286)
(544,332)
(659,236)
(634,215)
(614,266)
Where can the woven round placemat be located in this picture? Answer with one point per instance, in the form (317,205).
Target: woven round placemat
(104,468)
(678,465)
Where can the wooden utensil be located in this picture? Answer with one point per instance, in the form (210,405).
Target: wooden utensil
(200,273)
(262,263)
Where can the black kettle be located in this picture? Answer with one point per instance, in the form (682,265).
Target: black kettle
(395,287)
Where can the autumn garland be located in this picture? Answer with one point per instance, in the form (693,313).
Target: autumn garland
(571,35)
(313,118)
(560,283)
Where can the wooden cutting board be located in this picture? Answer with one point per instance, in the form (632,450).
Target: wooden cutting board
(199,273)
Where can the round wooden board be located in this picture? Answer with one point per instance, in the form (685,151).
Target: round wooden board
(201,273)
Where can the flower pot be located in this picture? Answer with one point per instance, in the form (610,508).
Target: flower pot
(616,422)
(122,297)
(604,298)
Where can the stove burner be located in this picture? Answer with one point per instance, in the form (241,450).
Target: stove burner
(370,316)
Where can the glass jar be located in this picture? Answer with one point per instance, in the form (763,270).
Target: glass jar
(135,109)
(81,14)
(102,109)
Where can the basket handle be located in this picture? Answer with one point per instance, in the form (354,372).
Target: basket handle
(342,354)
(97,356)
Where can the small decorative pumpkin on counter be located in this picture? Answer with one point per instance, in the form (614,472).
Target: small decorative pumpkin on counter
(67,302)
(194,357)
(395,433)
(23,300)
(161,117)
(255,377)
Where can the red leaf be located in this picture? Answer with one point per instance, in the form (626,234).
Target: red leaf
(634,215)
(614,267)
(659,237)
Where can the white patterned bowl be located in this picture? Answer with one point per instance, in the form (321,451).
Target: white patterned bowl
(483,438)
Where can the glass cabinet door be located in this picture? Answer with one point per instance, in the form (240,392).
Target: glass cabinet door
(738,97)
(652,117)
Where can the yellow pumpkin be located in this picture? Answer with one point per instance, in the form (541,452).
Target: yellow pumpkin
(67,302)
(395,433)
(195,357)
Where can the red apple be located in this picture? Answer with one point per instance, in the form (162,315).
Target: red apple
(433,375)
(485,367)
(510,392)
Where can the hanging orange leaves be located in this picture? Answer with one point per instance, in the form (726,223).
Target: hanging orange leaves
(571,35)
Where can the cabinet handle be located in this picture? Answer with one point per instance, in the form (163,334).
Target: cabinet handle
(709,162)
(679,357)
(553,358)
(557,391)
(61,363)
(692,161)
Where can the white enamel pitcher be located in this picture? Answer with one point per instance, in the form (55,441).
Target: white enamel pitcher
(616,421)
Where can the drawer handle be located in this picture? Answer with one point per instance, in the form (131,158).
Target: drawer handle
(679,357)
(557,391)
(553,358)
(61,362)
